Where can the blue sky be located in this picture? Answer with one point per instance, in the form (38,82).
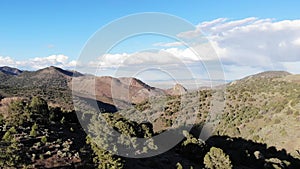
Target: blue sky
(40,29)
(36,28)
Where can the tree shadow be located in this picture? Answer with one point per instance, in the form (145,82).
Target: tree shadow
(98,105)
(251,154)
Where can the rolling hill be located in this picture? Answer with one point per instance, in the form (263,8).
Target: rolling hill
(55,84)
(251,123)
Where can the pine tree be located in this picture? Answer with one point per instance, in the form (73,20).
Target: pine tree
(33,132)
(39,111)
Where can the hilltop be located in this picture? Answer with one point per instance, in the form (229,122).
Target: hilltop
(10,71)
(50,83)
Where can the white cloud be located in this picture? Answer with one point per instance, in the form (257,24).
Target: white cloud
(39,62)
(213,22)
(252,41)
(171,44)
(156,57)
(244,46)
(246,42)
(220,25)
(6,61)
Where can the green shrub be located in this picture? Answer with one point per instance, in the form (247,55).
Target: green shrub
(44,139)
(11,155)
(179,166)
(277,121)
(8,136)
(217,159)
(33,132)
(103,158)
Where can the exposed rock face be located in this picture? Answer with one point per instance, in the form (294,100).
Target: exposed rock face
(115,91)
(178,89)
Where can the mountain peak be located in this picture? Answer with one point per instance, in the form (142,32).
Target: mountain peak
(10,70)
(134,82)
(177,89)
(53,69)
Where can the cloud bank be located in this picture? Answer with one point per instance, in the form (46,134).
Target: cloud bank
(244,46)
(39,62)
(255,42)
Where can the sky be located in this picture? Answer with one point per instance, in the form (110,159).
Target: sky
(247,36)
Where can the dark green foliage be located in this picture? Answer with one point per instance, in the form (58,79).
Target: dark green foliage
(18,113)
(103,158)
(39,111)
(24,111)
(124,137)
(21,145)
(217,159)
(192,148)
(10,154)
(50,83)
(33,132)
(44,139)
(8,136)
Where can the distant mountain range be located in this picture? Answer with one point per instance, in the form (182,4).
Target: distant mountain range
(52,82)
